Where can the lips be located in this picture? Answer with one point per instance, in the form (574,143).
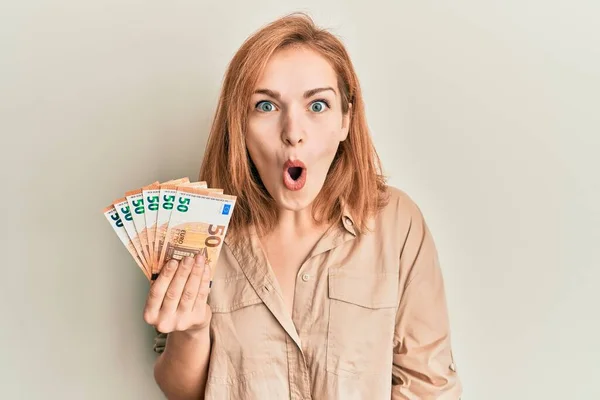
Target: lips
(294,175)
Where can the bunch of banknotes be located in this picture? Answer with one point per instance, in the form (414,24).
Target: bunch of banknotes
(171,220)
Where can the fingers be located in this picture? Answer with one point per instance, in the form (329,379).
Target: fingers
(175,289)
(157,292)
(190,291)
(204,289)
(180,289)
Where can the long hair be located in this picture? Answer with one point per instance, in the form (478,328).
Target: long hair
(354,178)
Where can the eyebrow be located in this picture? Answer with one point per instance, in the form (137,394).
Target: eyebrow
(307,94)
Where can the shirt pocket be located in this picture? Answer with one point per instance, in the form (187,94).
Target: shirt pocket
(240,350)
(362,314)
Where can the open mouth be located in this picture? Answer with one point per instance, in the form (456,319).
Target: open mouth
(294,175)
(295,172)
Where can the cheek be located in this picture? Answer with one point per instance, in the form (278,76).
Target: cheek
(264,125)
(259,144)
(328,128)
(328,138)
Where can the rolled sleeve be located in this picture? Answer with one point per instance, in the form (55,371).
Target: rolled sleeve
(423,364)
(160,341)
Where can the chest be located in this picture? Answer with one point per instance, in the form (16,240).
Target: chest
(344,308)
(286,259)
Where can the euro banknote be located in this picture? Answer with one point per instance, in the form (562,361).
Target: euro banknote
(113,218)
(198,224)
(151,197)
(135,200)
(161,221)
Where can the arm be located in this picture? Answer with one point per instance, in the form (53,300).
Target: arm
(177,307)
(181,369)
(423,365)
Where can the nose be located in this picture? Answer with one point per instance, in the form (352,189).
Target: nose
(292,132)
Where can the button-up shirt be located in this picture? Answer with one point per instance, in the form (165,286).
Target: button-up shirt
(369,317)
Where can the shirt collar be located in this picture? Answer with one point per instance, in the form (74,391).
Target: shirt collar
(347,220)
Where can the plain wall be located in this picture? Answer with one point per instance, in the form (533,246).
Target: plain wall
(485,112)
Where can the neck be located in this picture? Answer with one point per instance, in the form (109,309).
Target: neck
(296,223)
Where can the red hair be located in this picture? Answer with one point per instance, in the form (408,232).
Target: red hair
(354,178)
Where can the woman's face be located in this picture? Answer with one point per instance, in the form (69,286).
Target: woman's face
(295,125)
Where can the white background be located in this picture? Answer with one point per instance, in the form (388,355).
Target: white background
(485,112)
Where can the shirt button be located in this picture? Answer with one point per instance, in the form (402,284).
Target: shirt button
(305,277)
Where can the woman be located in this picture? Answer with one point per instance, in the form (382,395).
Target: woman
(328,284)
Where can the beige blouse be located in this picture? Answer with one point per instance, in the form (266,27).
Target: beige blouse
(369,318)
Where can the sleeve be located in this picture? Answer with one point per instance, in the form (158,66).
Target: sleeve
(423,364)
(160,341)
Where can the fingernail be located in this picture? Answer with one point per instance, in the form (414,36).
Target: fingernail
(172,264)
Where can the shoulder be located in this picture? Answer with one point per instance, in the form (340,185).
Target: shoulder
(396,236)
(398,227)
(400,211)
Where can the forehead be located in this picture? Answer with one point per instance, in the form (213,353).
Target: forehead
(297,69)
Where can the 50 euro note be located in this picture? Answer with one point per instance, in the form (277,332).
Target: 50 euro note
(124,213)
(135,199)
(115,221)
(198,224)
(167,199)
(151,196)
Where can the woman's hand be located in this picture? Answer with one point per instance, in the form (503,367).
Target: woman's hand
(177,298)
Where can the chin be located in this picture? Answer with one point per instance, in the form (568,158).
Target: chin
(295,201)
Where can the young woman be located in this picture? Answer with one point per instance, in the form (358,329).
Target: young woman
(328,285)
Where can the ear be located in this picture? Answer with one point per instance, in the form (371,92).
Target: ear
(346,123)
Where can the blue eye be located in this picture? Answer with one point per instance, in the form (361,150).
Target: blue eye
(265,106)
(318,106)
